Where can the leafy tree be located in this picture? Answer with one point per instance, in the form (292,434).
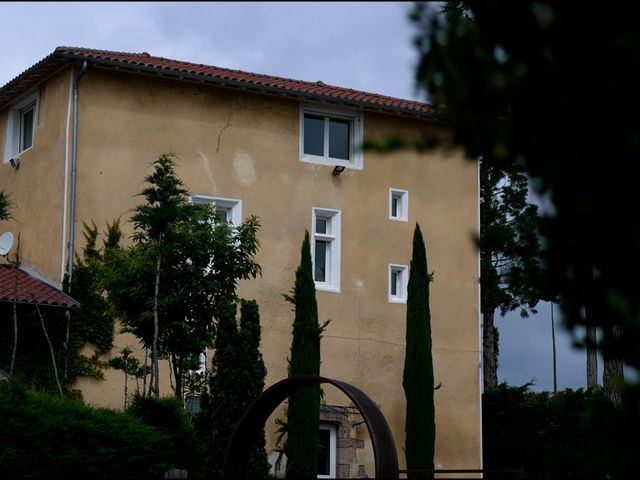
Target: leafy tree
(551,87)
(236,379)
(417,381)
(130,366)
(182,264)
(509,255)
(303,412)
(165,204)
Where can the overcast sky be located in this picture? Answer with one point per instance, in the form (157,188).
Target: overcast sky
(361,45)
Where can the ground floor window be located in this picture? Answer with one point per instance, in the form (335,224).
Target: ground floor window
(327,452)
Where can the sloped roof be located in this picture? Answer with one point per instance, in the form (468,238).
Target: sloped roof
(145,63)
(31,290)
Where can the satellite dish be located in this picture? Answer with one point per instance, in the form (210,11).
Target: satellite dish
(6,242)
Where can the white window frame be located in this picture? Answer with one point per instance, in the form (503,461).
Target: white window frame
(13,139)
(333,451)
(400,295)
(332,238)
(402,205)
(202,362)
(355,137)
(231,205)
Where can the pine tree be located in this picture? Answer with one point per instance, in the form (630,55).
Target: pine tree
(418,383)
(303,412)
(509,256)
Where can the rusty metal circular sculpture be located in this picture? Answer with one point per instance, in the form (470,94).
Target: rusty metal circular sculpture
(384,448)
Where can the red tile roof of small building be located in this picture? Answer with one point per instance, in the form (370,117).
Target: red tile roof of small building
(31,290)
(145,63)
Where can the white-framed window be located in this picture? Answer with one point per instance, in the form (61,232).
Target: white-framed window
(331,136)
(398,281)
(21,126)
(202,362)
(325,248)
(327,452)
(398,205)
(227,209)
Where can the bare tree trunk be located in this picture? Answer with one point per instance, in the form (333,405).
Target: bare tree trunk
(613,371)
(156,325)
(67,316)
(53,357)
(15,310)
(144,379)
(553,340)
(592,358)
(489,354)
(125,385)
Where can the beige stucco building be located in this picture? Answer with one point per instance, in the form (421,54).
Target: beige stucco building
(267,146)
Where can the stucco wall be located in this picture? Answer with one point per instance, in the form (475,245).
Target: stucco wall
(37,186)
(246,146)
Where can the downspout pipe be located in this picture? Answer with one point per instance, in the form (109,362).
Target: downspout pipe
(74,160)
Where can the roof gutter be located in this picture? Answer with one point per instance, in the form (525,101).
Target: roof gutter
(74,161)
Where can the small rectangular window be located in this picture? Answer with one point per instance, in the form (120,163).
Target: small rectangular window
(398,204)
(325,249)
(330,136)
(398,279)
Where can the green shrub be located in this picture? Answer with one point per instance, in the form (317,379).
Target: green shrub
(573,434)
(47,437)
(167,416)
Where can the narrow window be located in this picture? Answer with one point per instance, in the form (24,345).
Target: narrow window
(398,205)
(398,279)
(339,138)
(314,135)
(27,117)
(21,127)
(325,246)
(327,452)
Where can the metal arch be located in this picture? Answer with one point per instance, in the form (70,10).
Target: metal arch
(254,418)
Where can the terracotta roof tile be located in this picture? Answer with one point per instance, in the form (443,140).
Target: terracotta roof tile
(272,84)
(31,290)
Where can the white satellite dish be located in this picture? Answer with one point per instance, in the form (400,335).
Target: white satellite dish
(6,242)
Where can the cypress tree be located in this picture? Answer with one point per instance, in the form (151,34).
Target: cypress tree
(418,383)
(238,374)
(253,378)
(303,413)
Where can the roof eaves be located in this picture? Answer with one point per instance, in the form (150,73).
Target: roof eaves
(253,86)
(30,78)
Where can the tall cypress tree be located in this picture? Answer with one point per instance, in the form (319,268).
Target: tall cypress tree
(253,378)
(418,383)
(238,374)
(303,413)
